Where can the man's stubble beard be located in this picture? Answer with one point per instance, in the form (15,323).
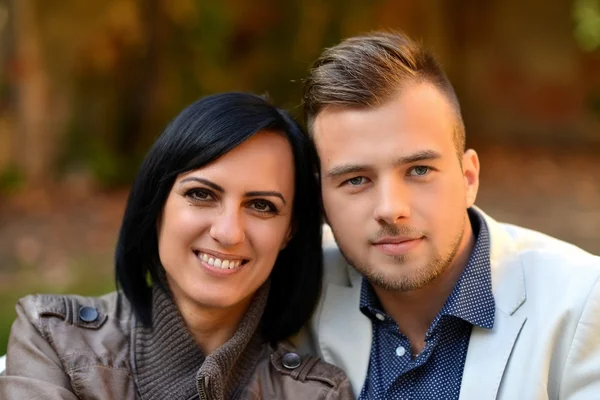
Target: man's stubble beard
(421,277)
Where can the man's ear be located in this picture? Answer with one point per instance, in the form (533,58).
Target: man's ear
(470,167)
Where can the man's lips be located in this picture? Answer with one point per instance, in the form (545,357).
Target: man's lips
(397,246)
(396,239)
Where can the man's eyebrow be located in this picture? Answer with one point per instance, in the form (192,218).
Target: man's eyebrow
(265,193)
(203,181)
(409,159)
(347,169)
(419,156)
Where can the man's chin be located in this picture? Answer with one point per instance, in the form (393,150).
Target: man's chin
(405,282)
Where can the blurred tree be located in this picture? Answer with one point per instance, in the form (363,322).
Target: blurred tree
(6,49)
(586,14)
(95,82)
(33,133)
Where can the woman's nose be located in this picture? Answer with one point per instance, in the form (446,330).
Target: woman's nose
(228,227)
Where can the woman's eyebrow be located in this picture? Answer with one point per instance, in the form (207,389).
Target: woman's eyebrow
(203,181)
(265,193)
(221,190)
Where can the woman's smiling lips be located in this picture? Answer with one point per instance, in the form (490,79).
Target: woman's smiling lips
(218,263)
(397,245)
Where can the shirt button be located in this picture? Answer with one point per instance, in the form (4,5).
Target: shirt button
(400,351)
(380,316)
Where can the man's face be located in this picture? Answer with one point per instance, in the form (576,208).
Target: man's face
(394,191)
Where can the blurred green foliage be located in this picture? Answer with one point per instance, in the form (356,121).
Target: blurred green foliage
(11,179)
(587,23)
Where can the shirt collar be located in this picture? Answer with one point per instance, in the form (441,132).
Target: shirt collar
(471,299)
(369,303)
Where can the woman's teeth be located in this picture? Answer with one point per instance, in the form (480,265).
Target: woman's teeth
(219,263)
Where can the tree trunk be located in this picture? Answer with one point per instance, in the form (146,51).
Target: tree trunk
(34,140)
(6,48)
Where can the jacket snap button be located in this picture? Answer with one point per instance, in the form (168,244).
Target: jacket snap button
(291,360)
(88,314)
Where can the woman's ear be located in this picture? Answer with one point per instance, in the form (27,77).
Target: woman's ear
(288,236)
(159,222)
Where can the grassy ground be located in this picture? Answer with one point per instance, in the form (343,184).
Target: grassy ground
(87,277)
(56,241)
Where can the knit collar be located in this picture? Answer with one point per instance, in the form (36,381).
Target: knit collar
(169,364)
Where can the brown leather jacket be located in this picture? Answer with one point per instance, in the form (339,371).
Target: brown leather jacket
(72,347)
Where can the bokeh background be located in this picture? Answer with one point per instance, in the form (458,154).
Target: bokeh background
(86,86)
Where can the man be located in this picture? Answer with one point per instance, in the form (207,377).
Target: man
(439,301)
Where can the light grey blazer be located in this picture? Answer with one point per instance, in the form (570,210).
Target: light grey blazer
(545,343)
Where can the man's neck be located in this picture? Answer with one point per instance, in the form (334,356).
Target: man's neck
(414,311)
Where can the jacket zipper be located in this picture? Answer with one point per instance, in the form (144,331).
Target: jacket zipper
(203,392)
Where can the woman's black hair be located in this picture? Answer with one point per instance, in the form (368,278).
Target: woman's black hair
(201,133)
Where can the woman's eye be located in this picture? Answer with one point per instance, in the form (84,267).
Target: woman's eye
(263,206)
(198,194)
(419,170)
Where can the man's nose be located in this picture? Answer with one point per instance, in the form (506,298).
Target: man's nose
(228,227)
(392,201)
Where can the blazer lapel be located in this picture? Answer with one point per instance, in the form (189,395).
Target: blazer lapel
(488,354)
(489,350)
(345,334)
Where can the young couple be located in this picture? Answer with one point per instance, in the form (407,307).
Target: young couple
(219,261)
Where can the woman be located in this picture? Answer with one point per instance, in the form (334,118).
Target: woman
(218,261)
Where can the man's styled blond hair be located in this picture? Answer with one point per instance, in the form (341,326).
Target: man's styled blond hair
(367,71)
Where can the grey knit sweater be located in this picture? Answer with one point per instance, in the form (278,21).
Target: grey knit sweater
(168,364)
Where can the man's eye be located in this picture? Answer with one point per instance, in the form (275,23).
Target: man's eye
(419,170)
(356,181)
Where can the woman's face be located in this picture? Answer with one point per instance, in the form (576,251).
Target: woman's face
(223,225)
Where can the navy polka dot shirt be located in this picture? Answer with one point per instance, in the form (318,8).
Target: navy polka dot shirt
(437,371)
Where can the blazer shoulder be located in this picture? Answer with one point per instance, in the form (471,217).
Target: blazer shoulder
(529,238)
(554,270)
(537,249)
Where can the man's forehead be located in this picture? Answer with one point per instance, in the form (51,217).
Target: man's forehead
(420,104)
(341,140)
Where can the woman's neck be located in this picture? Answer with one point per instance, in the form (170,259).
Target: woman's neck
(211,327)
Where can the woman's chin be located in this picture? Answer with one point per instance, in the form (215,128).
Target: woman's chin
(217,299)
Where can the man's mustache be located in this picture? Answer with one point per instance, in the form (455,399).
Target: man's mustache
(397,230)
